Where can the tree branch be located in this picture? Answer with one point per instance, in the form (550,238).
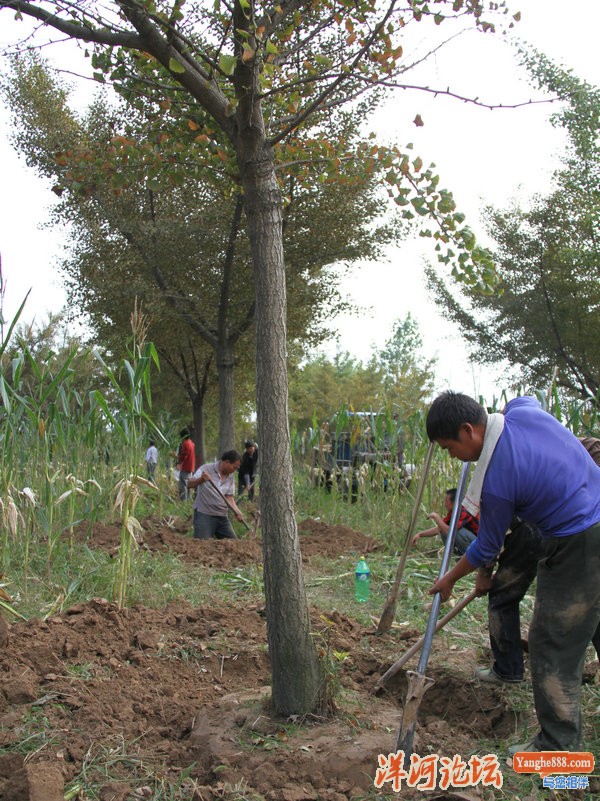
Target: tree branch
(76,30)
(337,82)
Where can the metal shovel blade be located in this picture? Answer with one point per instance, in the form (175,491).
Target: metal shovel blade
(418,684)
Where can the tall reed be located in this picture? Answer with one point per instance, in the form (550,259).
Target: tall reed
(129,421)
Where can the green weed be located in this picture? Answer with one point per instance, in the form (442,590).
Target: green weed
(239,581)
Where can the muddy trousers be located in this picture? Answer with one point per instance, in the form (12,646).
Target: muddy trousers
(565,618)
(514,575)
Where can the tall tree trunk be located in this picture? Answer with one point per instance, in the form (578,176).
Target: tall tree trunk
(296,673)
(225,362)
(199,431)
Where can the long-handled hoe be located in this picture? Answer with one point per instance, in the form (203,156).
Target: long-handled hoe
(212,484)
(418,682)
(389,609)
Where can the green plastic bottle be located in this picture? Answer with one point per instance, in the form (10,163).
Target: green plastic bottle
(362,581)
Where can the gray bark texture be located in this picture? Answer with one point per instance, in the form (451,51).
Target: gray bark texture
(296,673)
(225,362)
(199,440)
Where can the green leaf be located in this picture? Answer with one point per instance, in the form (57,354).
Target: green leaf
(176,66)
(271,48)
(227,64)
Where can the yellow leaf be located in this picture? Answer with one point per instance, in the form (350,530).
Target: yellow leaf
(193,126)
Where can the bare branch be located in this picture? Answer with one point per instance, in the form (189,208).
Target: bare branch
(361,53)
(472,100)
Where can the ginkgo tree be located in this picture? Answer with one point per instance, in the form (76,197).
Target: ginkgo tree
(257,81)
(177,241)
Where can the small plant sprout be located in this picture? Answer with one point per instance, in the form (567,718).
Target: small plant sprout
(331,660)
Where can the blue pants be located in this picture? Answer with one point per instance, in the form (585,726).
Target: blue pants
(462,540)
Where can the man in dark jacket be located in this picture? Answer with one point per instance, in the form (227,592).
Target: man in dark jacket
(247,473)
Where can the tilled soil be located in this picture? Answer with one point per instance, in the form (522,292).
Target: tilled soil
(184,691)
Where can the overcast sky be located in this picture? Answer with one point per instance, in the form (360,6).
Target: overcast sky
(482,156)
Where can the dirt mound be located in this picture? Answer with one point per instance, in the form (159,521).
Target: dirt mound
(172,534)
(319,539)
(184,691)
(189,686)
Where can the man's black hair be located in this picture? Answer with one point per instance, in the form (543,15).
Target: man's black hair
(451,493)
(185,432)
(449,411)
(231,457)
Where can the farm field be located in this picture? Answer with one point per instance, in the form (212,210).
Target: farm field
(173,702)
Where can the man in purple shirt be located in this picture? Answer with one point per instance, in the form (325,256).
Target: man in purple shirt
(530,465)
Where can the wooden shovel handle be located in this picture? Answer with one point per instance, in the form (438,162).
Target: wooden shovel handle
(414,648)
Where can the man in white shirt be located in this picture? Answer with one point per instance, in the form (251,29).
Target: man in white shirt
(151,461)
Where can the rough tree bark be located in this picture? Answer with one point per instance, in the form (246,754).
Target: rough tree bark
(296,673)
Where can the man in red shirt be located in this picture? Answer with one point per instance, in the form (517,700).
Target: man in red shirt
(466,527)
(186,462)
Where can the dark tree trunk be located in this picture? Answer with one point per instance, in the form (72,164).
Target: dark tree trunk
(225,363)
(199,432)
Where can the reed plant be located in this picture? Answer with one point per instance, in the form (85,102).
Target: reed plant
(70,458)
(376,496)
(129,420)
